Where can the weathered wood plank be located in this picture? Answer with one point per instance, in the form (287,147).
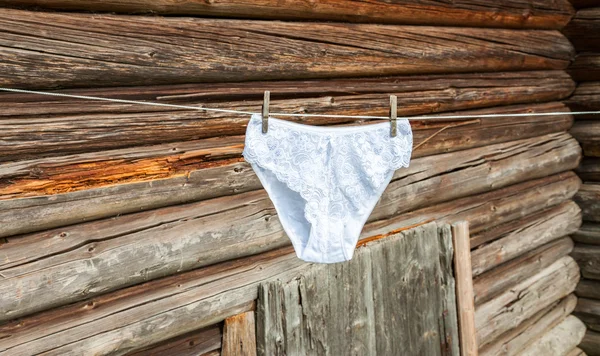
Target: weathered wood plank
(513,341)
(576,352)
(585,98)
(521,302)
(354,308)
(485,168)
(559,340)
(591,343)
(48,49)
(464,289)
(77,172)
(588,257)
(239,338)
(588,288)
(491,283)
(589,169)
(588,199)
(588,310)
(177,228)
(558,222)
(64,125)
(199,342)
(586,67)
(588,233)
(587,132)
(481,13)
(584,30)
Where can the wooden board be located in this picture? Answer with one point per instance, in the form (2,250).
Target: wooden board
(50,49)
(239,335)
(422,184)
(198,342)
(512,342)
(395,297)
(521,302)
(485,13)
(584,30)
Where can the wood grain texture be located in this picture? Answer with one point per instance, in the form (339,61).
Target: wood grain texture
(559,340)
(589,169)
(481,13)
(584,30)
(587,132)
(484,168)
(174,239)
(586,67)
(65,125)
(521,302)
(591,343)
(588,199)
(239,335)
(489,284)
(576,352)
(588,257)
(588,288)
(512,342)
(586,97)
(464,289)
(47,49)
(197,343)
(588,233)
(395,297)
(558,222)
(588,310)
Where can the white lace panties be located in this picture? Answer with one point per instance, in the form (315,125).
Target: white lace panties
(325,181)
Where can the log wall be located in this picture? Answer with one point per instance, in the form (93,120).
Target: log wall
(583,32)
(129,229)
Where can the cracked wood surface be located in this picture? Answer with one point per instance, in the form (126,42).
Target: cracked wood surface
(555,223)
(57,126)
(559,340)
(516,305)
(52,49)
(584,30)
(196,343)
(588,199)
(587,132)
(588,257)
(396,297)
(96,257)
(586,97)
(588,233)
(491,283)
(515,340)
(484,168)
(482,13)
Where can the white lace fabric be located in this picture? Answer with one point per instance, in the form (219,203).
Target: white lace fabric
(325,181)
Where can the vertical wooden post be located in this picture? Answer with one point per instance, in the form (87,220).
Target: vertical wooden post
(464,288)
(239,336)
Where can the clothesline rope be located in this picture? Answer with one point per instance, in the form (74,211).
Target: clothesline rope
(363,117)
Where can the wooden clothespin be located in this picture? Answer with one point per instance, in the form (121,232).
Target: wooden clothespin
(393,114)
(265,112)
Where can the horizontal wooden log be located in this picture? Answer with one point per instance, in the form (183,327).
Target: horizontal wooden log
(489,284)
(586,97)
(493,168)
(152,311)
(588,233)
(588,199)
(482,13)
(37,126)
(589,169)
(557,222)
(147,163)
(521,302)
(515,340)
(588,310)
(587,132)
(591,343)
(48,49)
(576,352)
(174,239)
(588,288)
(586,67)
(579,4)
(559,340)
(198,342)
(588,257)
(584,30)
